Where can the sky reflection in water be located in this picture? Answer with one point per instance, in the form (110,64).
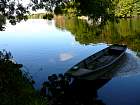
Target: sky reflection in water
(43,49)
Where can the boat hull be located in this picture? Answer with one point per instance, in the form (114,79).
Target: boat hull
(98,64)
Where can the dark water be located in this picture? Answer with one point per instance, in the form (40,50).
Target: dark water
(123,88)
(121,91)
(47,47)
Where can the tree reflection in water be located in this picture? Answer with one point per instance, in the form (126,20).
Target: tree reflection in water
(2,22)
(64,90)
(125,32)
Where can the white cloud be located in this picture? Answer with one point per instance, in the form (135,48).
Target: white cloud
(65,56)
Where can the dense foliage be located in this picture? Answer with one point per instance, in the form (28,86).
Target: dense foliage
(95,9)
(125,8)
(12,10)
(16,86)
(15,11)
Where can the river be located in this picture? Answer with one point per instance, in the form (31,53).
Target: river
(46,47)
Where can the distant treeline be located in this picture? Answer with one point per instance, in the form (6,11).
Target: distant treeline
(119,8)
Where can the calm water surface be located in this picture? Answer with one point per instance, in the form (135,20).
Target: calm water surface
(47,47)
(43,49)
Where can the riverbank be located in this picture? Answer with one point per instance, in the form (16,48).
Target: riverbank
(16,86)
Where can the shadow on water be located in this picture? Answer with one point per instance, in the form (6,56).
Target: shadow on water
(64,90)
(123,89)
(129,65)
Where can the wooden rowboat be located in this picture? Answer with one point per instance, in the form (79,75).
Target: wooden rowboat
(98,63)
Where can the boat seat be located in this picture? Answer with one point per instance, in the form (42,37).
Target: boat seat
(105,59)
(117,48)
(100,62)
(81,72)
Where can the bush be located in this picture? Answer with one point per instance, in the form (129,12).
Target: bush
(16,86)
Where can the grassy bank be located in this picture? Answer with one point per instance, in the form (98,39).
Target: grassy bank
(16,87)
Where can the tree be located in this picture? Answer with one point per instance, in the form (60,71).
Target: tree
(125,8)
(12,10)
(96,9)
(15,11)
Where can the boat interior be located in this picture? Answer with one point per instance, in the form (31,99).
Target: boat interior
(100,59)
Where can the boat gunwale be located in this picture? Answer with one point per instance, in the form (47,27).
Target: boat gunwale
(110,62)
(102,67)
(89,57)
